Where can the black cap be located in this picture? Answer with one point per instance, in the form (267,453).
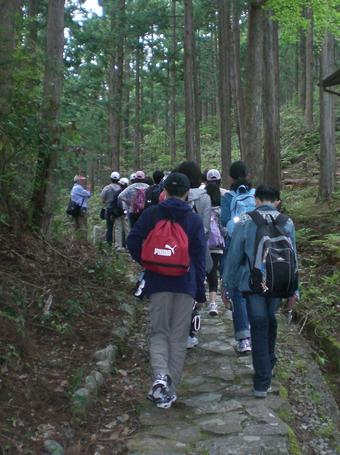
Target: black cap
(238,170)
(177,180)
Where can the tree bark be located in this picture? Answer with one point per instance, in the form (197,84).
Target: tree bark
(224,87)
(8,13)
(253,151)
(126,100)
(327,124)
(138,135)
(302,71)
(189,90)
(116,62)
(43,197)
(309,73)
(236,75)
(33,9)
(173,91)
(271,103)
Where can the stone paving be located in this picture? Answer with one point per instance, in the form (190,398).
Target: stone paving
(216,413)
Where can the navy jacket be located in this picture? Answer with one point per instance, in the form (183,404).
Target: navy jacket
(192,282)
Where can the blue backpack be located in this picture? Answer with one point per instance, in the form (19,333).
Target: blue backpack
(243,201)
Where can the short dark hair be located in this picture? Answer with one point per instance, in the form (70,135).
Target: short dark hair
(267,193)
(157,176)
(192,170)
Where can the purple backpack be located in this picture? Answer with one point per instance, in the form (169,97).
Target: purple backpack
(138,201)
(216,239)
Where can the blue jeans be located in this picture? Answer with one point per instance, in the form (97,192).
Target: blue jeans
(240,316)
(263,329)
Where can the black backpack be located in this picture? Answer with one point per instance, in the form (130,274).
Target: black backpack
(115,208)
(274,272)
(152,195)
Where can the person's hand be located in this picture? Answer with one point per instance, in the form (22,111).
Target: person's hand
(291,302)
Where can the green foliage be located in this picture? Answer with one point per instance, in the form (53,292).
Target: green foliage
(289,14)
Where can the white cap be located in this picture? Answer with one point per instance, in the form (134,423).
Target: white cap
(78,178)
(124,181)
(115,175)
(133,176)
(213,174)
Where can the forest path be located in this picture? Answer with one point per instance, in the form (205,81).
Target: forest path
(216,412)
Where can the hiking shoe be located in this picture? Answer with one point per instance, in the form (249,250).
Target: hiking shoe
(166,401)
(243,346)
(213,309)
(192,342)
(160,388)
(262,393)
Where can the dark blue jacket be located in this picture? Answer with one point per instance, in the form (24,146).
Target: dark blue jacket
(192,282)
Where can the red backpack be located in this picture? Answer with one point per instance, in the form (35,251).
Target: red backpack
(166,249)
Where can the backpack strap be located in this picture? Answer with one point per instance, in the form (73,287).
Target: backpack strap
(281,220)
(257,218)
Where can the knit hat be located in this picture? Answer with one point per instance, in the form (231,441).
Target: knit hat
(177,180)
(213,174)
(238,170)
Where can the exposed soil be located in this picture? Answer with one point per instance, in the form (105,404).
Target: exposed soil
(46,352)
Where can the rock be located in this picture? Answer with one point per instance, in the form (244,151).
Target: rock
(149,444)
(271,429)
(53,447)
(98,377)
(220,407)
(81,397)
(108,353)
(238,445)
(128,309)
(91,383)
(104,366)
(197,400)
(222,424)
(120,333)
(180,431)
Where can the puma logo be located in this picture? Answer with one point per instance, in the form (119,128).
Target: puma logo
(172,248)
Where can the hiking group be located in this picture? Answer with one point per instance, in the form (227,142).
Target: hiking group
(184,229)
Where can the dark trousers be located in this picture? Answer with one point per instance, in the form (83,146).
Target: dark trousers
(133,217)
(263,330)
(109,230)
(212,276)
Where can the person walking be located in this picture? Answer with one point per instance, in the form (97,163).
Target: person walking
(262,265)
(217,236)
(230,207)
(134,196)
(200,203)
(80,196)
(177,232)
(107,195)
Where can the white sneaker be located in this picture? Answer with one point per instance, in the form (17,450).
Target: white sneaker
(243,346)
(213,309)
(192,342)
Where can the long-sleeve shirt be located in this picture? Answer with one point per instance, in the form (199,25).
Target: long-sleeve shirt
(80,196)
(108,193)
(236,272)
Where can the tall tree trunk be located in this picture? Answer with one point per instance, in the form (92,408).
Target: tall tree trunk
(33,9)
(138,135)
(253,151)
(116,62)
(302,64)
(309,72)
(190,112)
(327,123)
(8,13)
(197,96)
(271,103)
(173,91)
(126,99)
(236,75)
(224,87)
(43,197)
